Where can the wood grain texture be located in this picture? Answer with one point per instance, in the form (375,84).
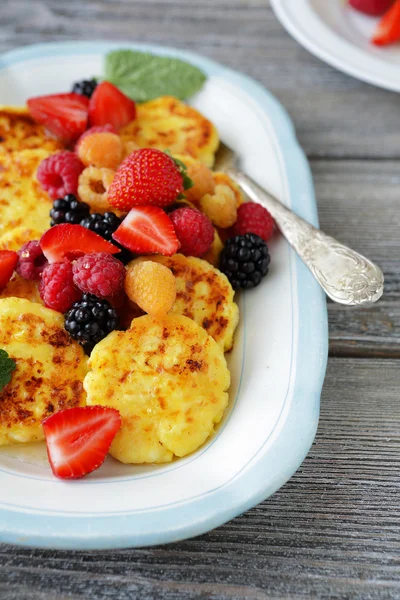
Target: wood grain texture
(333,531)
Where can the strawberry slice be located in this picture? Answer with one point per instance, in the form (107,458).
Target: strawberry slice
(8,262)
(68,242)
(64,115)
(78,439)
(371,7)
(388,31)
(147,230)
(108,105)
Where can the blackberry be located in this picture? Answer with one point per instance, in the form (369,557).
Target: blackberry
(68,210)
(105,225)
(90,320)
(85,87)
(245,260)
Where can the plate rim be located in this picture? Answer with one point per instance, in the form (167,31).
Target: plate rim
(326,52)
(56,532)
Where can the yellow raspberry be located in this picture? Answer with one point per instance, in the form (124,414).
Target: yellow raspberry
(221,178)
(220,207)
(101,150)
(93,187)
(152,286)
(203,181)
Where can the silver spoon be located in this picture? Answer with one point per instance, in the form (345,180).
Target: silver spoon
(346,276)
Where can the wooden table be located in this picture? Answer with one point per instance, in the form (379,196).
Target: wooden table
(333,531)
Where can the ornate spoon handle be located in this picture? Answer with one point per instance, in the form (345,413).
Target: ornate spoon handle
(346,276)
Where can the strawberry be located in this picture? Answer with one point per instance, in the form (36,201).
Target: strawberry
(78,439)
(8,262)
(388,31)
(108,105)
(371,7)
(64,115)
(147,176)
(147,230)
(67,242)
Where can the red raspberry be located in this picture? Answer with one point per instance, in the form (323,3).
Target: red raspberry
(58,174)
(254,218)
(194,231)
(57,288)
(100,274)
(108,128)
(31,261)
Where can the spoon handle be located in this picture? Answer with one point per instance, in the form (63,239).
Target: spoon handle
(346,276)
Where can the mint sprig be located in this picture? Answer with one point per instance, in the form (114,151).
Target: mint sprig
(7,366)
(143,76)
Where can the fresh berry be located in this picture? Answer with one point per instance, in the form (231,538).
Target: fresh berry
(100,274)
(147,176)
(152,286)
(58,174)
(220,207)
(147,230)
(78,439)
(193,230)
(245,260)
(68,242)
(68,210)
(57,289)
(107,128)
(85,87)
(101,150)
(109,105)
(93,187)
(31,261)
(371,7)
(8,262)
(105,225)
(203,181)
(254,218)
(388,31)
(90,320)
(64,115)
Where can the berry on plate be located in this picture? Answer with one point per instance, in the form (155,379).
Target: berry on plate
(67,242)
(101,150)
(68,210)
(245,260)
(147,176)
(108,105)
(254,218)
(220,207)
(58,174)
(31,261)
(8,262)
(93,187)
(371,7)
(78,439)
(100,274)
(388,31)
(64,115)
(147,230)
(151,286)
(107,128)
(194,231)
(105,225)
(85,87)
(57,289)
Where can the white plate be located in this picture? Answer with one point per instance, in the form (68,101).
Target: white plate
(278,362)
(340,35)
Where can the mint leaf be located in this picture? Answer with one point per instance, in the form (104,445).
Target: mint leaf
(7,366)
(143,76)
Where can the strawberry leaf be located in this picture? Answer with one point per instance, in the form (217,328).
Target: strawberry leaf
(187,182)
(7,366)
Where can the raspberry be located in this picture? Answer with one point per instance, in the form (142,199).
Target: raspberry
(152,286)
(31,261)
(97,129)
(220,207)
(203,180)
(254,218)
(99,274)
(193,230)
(93,187)
(58,174)
(57,288)
(101,150)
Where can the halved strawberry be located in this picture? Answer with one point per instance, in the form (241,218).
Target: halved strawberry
(147,230)
(64,115)
(67,242)
(371,7)
(388,31)
(109,105)
(78,439)
(8,262)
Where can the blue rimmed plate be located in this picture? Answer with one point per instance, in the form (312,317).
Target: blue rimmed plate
(277,365)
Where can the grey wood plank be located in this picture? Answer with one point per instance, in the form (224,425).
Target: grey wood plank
(333,531)
(334,114)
